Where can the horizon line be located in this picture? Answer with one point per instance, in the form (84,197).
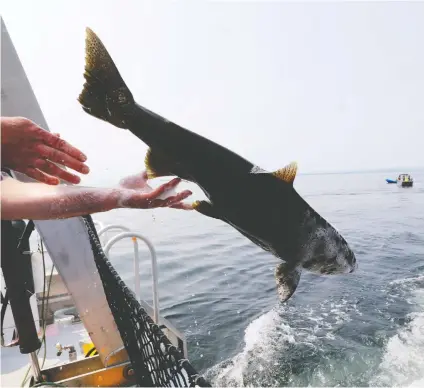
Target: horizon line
(366,171)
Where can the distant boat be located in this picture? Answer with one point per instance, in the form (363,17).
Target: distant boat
(391,181)
(405,180)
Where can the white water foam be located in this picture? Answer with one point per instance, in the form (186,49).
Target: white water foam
(260,341)
(414,280)
(403,360)
(270,335)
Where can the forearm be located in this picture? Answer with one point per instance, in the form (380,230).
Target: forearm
(42,202)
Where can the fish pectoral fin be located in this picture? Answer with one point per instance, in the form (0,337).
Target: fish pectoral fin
(288,173)
(158,165)
(207,209)
(287,278)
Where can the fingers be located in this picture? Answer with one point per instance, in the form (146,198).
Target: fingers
(54,170)
(182,206)
(41,177)
(54,141)
(171,200)
(134,200)
(163,188)
(60,157)
(177,198)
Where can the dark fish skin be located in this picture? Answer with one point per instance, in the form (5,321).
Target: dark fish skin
(263,206)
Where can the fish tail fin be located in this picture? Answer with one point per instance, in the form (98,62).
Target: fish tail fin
(105,94)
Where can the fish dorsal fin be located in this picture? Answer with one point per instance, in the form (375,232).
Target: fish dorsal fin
(288,173)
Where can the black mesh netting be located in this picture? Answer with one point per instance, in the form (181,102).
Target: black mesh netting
(155,360)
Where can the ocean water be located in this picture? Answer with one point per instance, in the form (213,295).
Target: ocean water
(360,329)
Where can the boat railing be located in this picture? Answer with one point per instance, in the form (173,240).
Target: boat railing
(176,337)
(103,231)
(127,233)
(99,225)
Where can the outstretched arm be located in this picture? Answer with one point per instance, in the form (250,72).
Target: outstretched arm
(38,201)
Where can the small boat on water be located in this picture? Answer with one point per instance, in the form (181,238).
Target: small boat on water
(391,181)
(405,180)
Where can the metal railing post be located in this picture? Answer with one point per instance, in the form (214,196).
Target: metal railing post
(135,236)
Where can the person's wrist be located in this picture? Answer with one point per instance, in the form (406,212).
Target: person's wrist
(120,197)
(110,199)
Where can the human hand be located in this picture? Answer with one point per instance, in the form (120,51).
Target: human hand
(31,150)
(138,194)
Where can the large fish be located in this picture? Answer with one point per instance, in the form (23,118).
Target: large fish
(261,205)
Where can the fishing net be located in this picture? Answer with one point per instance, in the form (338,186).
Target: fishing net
(155,360)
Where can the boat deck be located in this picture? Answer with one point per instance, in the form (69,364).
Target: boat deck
(15,365)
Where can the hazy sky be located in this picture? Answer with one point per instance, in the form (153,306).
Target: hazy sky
(334,86)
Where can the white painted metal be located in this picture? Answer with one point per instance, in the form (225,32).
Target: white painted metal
(137,280)
(154,265)
(35,366)
(104,230)
(66,240)
(99,225)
